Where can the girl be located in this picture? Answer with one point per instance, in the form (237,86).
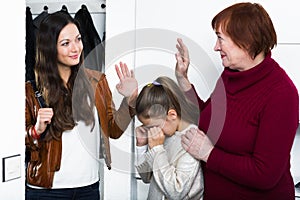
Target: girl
(166,114)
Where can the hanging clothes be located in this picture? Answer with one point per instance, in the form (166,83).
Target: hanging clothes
(64,8)
(93,48)
(38,19)
(30,47)
(32,28)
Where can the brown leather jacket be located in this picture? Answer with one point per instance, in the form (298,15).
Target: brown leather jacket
(45,157)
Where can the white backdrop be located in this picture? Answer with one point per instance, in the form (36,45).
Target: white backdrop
(189,18)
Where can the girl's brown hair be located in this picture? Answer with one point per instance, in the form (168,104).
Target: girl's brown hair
(157,98)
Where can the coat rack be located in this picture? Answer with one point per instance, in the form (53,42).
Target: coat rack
(94,7)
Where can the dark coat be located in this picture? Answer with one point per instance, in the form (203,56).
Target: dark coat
(30,46)
(93,48)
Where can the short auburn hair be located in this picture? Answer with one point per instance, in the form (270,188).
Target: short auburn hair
(249,26)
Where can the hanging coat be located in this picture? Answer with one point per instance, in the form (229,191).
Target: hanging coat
(30,46)
(32,28)
(38,19)
(92,46)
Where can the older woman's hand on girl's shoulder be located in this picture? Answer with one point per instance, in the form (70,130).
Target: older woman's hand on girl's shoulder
(196,143)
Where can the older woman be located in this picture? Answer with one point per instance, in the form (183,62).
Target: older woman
(249,156)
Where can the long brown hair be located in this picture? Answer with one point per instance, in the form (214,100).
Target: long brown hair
(155,100)
(50,84)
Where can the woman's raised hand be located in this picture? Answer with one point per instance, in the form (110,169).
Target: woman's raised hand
(128,86)
(182,65)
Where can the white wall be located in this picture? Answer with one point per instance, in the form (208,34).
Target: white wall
(156,24)
(190,19)
(12,104)
(120,23)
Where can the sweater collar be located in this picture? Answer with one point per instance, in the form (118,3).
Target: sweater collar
(236,81)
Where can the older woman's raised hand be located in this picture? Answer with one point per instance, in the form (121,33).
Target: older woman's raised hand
(182,65)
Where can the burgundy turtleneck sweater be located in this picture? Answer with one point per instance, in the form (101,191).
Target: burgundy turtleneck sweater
(251,117)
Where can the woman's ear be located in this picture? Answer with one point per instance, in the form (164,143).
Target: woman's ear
(172,114)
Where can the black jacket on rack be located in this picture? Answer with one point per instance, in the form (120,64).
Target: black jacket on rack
(30,46)
(93,48)
(32,27)
(38,19)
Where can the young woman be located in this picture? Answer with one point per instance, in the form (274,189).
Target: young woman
(78,116)
(250,158)
(166,114)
